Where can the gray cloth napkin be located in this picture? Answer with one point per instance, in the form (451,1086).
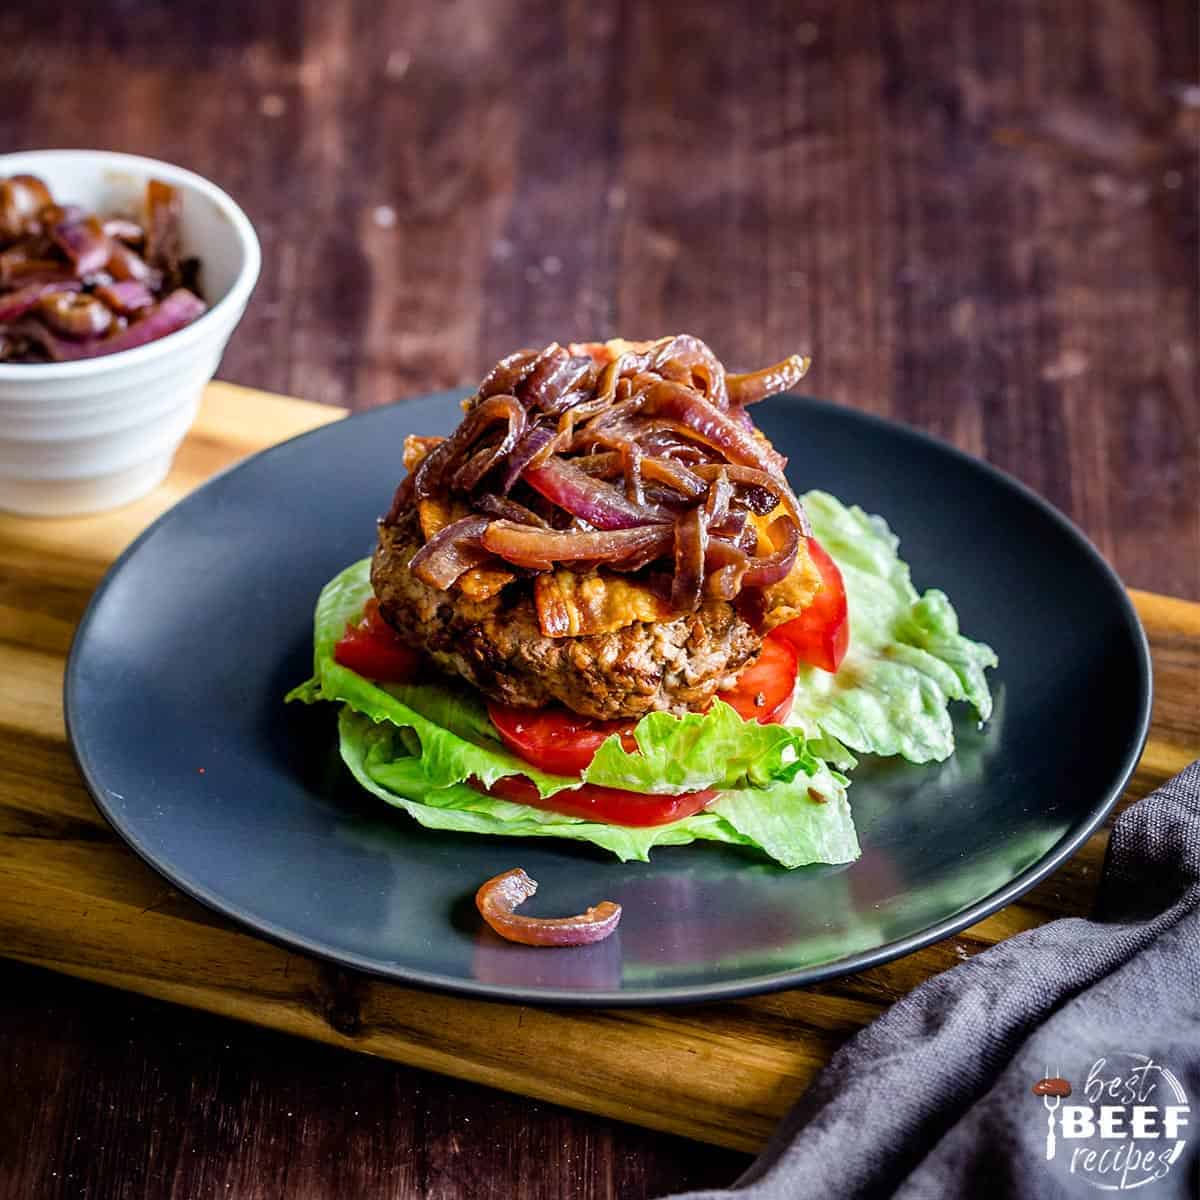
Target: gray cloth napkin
(935,1098)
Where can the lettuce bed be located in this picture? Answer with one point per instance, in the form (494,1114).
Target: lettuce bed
(416,745)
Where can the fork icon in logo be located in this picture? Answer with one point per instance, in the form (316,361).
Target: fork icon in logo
(1052,1089)
(1051,1103)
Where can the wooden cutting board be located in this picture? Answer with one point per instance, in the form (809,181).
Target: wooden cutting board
(74,899)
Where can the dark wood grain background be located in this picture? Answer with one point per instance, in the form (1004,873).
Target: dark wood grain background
(979,216)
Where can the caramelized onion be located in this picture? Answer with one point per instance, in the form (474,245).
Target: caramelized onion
(498,899)
(17,304)
(691,543)
(712,426)
(126,296)
(687,359)
(635,456)
(510,510)
(73,287)
(126,264)
(771,568)
(536,446)
(429,479)
(726,563)
(604,464)
(22,197)
(757,385)
(716,503)
(592,500)
(480,463)
(163,211)
(180,308)
(83,242)
(123,229)
(508,374)
(451,551)
(776,489)
(554,379)
(75,315)
(542,548)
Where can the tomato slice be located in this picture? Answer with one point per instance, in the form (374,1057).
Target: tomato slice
(554,739)
(373,650)
(610,805)
(821,633)
(764,690)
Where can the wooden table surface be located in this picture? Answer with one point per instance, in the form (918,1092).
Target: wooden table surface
(979,217)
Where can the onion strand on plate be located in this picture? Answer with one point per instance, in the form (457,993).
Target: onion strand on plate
(622,454)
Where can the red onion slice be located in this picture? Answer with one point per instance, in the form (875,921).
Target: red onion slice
(770,381)
(22,197)
(508,374)
(592,500)
(430,477)
(17,304)
(771,568)
(126,297)
(76,316)
(123,229)
(776,489)
(686,359)
(691,543)
(84,243)
(556,376)
(710,424)
(164,208)
(726,564)
(180,308)
(497,899)
(716,503)
(451,552)
(509,510)
(542,548)
(535,447)
(124,263)
(479,464)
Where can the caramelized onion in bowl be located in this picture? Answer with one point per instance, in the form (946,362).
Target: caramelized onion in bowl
(75,285)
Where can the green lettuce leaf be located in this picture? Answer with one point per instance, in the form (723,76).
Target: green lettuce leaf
(906,661)
(415,745)
(696,751)
(785,820)
(457,740)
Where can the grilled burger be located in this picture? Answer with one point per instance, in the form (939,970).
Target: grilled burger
(605,530)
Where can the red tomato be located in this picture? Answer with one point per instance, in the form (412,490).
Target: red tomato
(764,690)
(555,739)
(373,650)
(610,805)
(821,633)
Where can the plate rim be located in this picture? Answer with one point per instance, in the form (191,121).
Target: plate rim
(775,981)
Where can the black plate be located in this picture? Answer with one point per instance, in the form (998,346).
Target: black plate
(174,707)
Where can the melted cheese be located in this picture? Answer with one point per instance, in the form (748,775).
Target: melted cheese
(415,449)
(787,599)
(571,605)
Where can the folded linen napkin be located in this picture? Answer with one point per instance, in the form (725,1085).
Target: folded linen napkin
(935,1098)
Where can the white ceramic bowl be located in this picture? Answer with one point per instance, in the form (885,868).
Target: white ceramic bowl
(79,437)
